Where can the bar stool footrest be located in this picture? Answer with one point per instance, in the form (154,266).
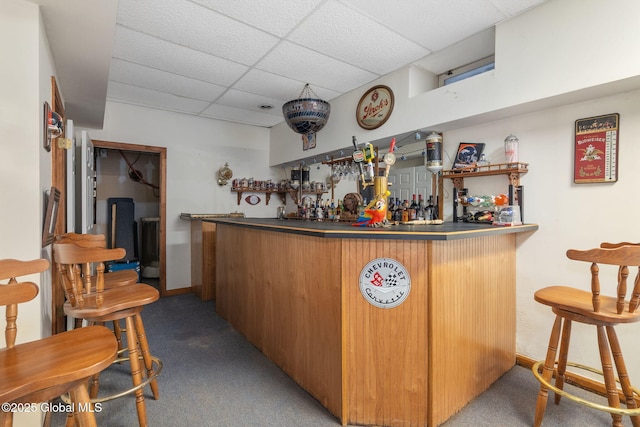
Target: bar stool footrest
(158,368)
(619,411)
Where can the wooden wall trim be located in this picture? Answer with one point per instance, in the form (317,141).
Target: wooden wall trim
(162,173)
(58,180)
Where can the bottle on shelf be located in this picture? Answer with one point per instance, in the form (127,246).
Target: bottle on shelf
(319,211)
(390,209)
(413,208)
(420,213)
(511,149)
(397,213)
(483,162)
(405,211)
(430,212)
(313,212)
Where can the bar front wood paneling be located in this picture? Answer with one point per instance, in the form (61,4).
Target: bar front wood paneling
(386,349)
(282,291)
(296,296)
(471,319)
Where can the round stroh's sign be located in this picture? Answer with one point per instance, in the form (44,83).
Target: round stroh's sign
(385,282)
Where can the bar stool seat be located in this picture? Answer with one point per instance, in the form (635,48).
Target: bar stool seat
(39,371)
(604,312)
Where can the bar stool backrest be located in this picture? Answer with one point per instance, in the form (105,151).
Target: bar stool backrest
(622,255)
(74,264)
(14,293)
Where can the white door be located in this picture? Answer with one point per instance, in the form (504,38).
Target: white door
(86,186)
(409,181)
(71,179)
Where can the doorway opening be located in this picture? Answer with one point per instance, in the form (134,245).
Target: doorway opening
(137,172)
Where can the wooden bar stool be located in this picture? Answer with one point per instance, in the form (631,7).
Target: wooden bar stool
(42,370)
(100,305)
(112,279)
(604,312)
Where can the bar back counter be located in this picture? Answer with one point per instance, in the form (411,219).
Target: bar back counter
(398,326)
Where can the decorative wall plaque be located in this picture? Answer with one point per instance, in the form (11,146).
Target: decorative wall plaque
(596,149)
(375,107)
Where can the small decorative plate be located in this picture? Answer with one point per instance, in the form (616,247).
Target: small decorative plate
(252,199)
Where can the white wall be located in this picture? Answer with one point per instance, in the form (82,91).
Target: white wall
(25,174)
(569,215)
(196,149)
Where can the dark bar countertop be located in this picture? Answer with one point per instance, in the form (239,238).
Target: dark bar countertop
(445,231)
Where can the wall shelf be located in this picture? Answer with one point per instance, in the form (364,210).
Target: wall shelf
(267,194)
(513,171)
(282,193)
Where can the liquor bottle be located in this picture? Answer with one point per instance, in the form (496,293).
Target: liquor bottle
(397,215)
(339,209)
(405,211)
(420,214)
(314,213)
(429,210)
(332,210)
(413,208)
(390,209)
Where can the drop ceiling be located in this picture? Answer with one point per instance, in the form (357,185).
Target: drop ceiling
(232,60)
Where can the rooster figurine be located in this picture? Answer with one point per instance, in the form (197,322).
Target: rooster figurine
(375,214)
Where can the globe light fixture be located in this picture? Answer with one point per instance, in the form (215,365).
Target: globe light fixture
(308,113)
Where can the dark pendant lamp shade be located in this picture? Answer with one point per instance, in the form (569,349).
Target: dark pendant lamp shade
(308,113)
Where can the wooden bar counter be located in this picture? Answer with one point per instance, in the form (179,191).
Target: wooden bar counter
(292,288)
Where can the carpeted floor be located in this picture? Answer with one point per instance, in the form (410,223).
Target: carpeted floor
(213,377)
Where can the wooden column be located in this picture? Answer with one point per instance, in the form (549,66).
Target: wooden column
(203,259)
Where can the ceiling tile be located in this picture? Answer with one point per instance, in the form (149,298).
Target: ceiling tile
(150,98)
(278,87)
(434,24)
(199,28)
(274,16)
(515,7)
(250,101)
(240,115)
(162,81)
(296,62)
(342,33)
(155,53)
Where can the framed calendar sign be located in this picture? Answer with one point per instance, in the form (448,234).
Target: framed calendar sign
(596,149)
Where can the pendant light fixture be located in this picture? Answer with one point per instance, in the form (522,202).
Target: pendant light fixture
(308,113)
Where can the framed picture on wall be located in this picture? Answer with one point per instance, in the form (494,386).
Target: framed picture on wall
(50,217)
(467,155)
(596,149)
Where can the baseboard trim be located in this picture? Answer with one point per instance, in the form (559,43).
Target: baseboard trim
(174,292)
